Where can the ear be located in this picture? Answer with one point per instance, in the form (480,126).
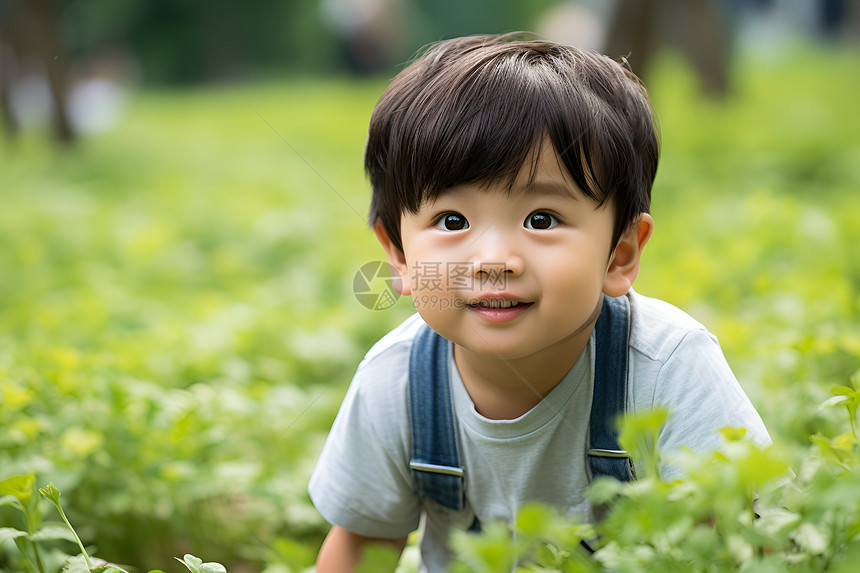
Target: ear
(624,261)
(396,261)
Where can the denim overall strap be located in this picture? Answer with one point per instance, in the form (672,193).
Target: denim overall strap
(435,459)
(605,456)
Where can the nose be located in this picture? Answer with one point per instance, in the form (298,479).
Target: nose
(496,260)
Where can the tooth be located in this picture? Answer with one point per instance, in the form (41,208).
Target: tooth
(495,303)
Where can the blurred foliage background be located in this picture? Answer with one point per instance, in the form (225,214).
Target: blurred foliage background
(183,212)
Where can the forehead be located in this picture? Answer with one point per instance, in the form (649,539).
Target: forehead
(542,173)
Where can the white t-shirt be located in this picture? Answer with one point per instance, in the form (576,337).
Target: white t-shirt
(363,483)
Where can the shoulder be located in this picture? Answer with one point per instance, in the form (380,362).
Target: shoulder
(379,389)
(658,328)
(395,341)
(666,346)
(678,364)
(385,367)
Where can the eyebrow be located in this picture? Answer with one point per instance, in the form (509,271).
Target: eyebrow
(547,187)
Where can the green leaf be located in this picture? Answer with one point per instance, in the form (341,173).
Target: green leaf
(80,564)
(639,431)
(843,391)
(812,539)
(11,501)
(494,549)
(604,489)
(52,531)
(378,558)
(108,568)
(533,519)
(196,565)
(731,434)
(9,533)
(844,442)
(76,564)
(838,400)
(20,487)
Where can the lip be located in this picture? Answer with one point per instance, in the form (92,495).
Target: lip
(498,309)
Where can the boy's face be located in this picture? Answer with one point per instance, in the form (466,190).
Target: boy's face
(512,274)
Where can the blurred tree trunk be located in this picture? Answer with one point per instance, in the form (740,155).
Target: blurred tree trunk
(633,31)
(639,28)
(8,65)
(29,30)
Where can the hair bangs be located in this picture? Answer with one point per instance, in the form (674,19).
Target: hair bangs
(481,129)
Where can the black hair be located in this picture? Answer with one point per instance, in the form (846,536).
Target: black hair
(473,109)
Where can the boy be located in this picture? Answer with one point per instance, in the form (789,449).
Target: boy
(511,188)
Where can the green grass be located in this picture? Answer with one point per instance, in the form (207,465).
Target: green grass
(179,328)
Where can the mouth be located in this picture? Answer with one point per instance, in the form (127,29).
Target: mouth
(496,303)
(498,310)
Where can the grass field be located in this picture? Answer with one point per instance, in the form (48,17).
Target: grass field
(178,324)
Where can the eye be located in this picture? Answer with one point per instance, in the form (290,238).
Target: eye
(540,221)
(453,222)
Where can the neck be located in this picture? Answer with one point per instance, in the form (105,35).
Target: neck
(506,389)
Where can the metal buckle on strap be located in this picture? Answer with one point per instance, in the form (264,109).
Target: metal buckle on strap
(436,469)
(600,453)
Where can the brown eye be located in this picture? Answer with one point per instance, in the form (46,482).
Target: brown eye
(540,221)
(453,222)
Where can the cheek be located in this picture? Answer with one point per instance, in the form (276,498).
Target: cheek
(434,267)
(565,273)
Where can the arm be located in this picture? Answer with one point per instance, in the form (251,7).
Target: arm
(342,550)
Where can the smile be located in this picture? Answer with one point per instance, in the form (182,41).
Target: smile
(495,303)
(498,310)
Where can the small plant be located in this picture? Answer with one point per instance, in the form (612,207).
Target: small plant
(18,492)
(742,508)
